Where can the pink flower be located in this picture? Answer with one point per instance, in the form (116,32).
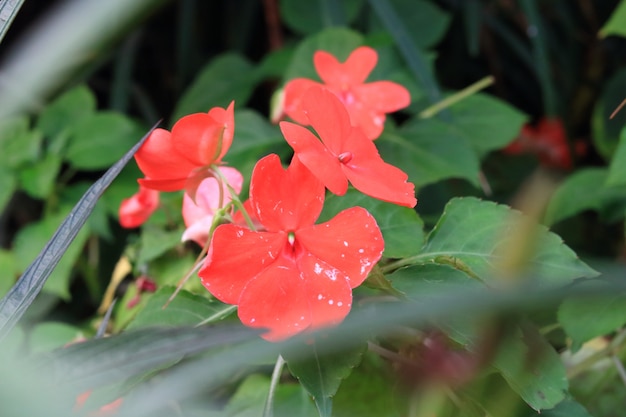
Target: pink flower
(198,215)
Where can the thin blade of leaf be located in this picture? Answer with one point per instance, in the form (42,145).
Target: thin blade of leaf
(23,293)
(8,11)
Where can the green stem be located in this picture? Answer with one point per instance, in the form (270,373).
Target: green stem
(219,314)
(456,97)
(268,411)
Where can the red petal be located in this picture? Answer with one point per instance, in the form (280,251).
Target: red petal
(163,185)
(351,242)
(134,211)
(383,96)
(354,71)
(199,137)
(371,122)
(371,175)
(158,160)
(238,255)
(328,116)
(288,298)
(225,117)
(294,91)
(316,157)
(285,199)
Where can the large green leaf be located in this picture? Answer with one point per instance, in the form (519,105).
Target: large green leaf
(18,143)
(484,236)
(430,151)
(425,22)
(65,111)
(566,408)
(532,368)
(586,190)
(486,122)
(8,184)
(155,241)
(606,130)
(402,228)
(338,41)
(307,17)
(321,373)
(617,167)
(584,318)
(39,178)
(20,297)
(186,309)
(226,78)
(98,140)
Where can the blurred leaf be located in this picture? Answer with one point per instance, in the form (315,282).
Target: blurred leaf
(584,318)
(425,22)
(480,234)
(185,309)
(14,304)
(617,167)
(226,78)
(98,140)
(8,184)
(31,239)
(566,408)
(606,131)
(585,190)
(306,17)
(39,178)
(51,335)
(402,228)
(472,20)
(18,144)
(616,25)
(156,241)
(9,269)
(339,42)
(65,111)
(321,374)
(532,368)
(486,122)
(429,151)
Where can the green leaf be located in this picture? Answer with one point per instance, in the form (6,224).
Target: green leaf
(185,309)
(425,22)
(306,17)
(32,239)
(486,122)
(617,167)
(65,111)
(483,237)
(616,25)
(20,297)
(606,131)
(38,179)
(156,241)
(532,368)
(584,318)
(51,335)
(99,140)
(8,184)
(430,151)
(321,374)
(585,190)
(566,408)
(402,228)
(18,144)
(226,78)
(9,269)
(340,42)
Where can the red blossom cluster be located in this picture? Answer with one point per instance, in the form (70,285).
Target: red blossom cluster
(268,256)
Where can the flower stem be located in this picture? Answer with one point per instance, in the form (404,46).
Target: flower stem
(456,97)
(268,411)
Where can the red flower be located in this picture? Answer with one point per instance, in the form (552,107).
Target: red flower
(134,211)
(367,103)
(170,160)
(198,214)
(295,275)
(344,153)
(548,141)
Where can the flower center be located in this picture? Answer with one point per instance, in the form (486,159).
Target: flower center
(291,238)
(345,157)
